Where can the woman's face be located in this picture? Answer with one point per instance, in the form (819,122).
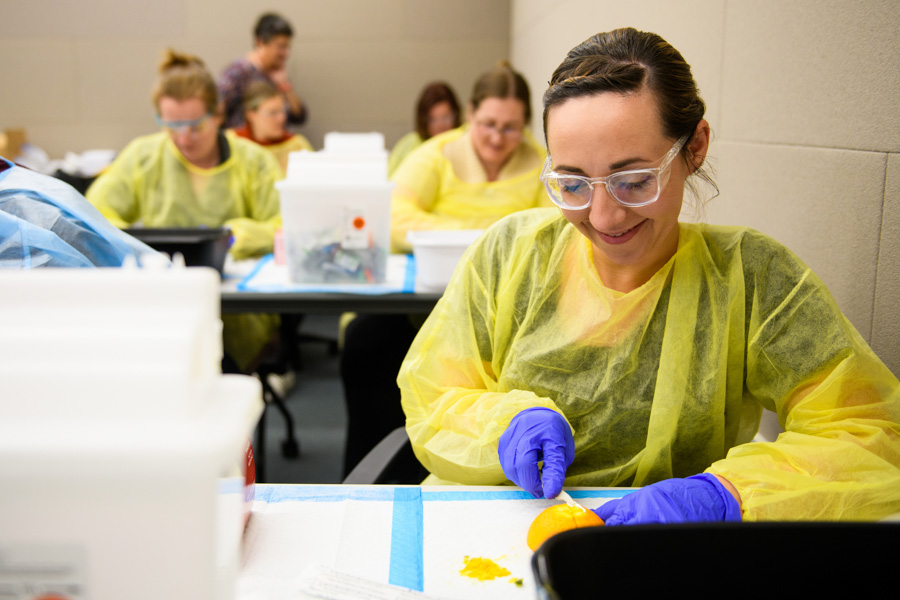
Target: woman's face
(267,121)
(497,126)
(595,136)
(192,129)
(441,118)
(274,54)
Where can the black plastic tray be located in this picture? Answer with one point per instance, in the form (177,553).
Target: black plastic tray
(718,560)
(200,246)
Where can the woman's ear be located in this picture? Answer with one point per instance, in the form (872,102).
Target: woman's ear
(470,110)
(698,146)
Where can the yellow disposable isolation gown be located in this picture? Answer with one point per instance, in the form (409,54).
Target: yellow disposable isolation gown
(668,380)
(402,149)
(151,183)
(282,150)
(441,185)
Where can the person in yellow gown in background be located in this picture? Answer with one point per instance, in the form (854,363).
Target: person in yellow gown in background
(437,111)
(191,174)
(470,177)
(264,123)
(465,178)
(604,343)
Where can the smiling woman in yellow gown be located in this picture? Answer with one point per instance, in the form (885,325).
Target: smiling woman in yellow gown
(655,345)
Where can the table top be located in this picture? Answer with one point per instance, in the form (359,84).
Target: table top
(417,537)
(269,294)
(326,302)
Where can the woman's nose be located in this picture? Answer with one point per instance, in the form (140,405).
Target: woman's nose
(605,211)
(182,135)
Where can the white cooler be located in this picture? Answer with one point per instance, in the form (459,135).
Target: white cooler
(121,442)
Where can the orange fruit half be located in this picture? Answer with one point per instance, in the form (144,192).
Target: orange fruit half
(556,518)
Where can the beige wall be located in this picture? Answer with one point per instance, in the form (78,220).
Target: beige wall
(804,101)
(808,85)
(77,75)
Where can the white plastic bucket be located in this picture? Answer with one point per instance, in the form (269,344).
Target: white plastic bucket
(437,253)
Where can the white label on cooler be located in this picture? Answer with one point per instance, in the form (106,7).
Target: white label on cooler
(38,570)
(356,233)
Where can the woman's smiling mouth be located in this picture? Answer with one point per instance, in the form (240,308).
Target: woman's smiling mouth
(621,238)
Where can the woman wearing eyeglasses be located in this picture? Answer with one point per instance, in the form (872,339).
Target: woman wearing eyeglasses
(620,347)
(192,174)
(465,178)
(264,123)
(470,177)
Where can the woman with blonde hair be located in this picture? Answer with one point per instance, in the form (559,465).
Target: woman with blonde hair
(264,123)
(192,174)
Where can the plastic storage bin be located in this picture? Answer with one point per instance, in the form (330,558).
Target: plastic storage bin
(437,254)
(657,560)
(336,211)
(121,442)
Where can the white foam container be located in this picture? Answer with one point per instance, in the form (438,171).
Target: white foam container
(437,253)
(365,143)
(110,343)
(336,210)
(120,439)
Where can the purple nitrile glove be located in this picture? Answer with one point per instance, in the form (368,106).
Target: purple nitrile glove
(537,434)
(697,498)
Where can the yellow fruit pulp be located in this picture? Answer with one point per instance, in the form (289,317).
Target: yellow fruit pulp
(482,569)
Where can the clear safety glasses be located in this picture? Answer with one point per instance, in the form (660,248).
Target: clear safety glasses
(506,131)
(192,126)
(638,187)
